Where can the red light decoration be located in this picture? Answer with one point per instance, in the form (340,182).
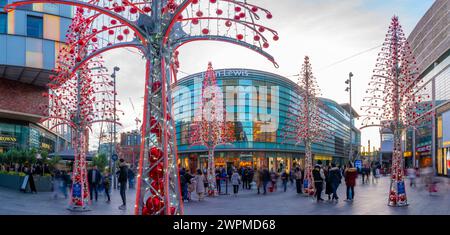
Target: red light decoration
(394,101)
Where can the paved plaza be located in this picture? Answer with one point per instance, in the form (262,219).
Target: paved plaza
(14,202)
(370,200)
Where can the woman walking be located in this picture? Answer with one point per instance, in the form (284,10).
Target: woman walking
(350,181)
(200,184)
(258,179)
(235,181)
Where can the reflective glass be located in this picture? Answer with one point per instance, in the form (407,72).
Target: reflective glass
(3,23)
(35,26)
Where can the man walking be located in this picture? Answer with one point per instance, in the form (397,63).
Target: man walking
(335,180)
(319,177)
(123,178)
(94,178)
(266,179)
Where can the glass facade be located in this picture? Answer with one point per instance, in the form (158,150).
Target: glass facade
(24,135)
(35,26)
(3,23)
(257,105)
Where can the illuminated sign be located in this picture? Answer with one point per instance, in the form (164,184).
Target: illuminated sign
(46,146)
(424,148)
(407,154)
(8,139)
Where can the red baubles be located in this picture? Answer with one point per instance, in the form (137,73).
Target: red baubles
(219,12)
(266,45)
(228,23)
(269,16)
(155,154)
(146,9)
(275,37)
(205,31)
(240,36)
(120,37)
(195,21)
(155,86)
(256,38)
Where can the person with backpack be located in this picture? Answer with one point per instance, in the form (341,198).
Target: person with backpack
(350,175)
(123,178)
(319,177)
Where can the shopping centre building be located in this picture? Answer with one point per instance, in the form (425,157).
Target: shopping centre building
(258,122)
(30,38)
(429,144)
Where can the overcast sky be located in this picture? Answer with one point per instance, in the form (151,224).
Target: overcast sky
(326,30)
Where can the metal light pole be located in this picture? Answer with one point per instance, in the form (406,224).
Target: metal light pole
(113,75)
(349,90)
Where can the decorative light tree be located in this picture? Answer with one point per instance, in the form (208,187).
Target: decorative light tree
(157,28)
(305,124)
(79,100)
(209,128)
(394,101)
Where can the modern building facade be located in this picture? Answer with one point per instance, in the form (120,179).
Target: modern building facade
(30,38)
(429,143)
(257,104)
(129,147)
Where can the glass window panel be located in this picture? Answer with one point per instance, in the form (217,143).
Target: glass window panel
(51,27)
(35,26)
(51,8)
(3,23)
(38,7)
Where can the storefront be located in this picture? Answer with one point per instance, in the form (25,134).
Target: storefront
(423,153)
(24,135)
(257,160)
(443,150)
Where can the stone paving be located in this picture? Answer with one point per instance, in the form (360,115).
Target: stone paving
(14,202)
(370,199)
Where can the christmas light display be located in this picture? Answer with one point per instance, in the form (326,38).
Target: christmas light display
(209,127)
(305,123)
(79,100)
(157,28)
(395,101)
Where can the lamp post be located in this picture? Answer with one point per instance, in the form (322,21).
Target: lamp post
(113,75)
(349,90)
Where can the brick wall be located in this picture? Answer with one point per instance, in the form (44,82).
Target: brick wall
(19,97)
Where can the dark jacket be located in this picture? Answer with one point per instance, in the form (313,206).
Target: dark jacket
(98,177)
(123,173)
(266,176)
(318,177)
(335,176)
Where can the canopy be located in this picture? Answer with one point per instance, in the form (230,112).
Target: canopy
(69,155)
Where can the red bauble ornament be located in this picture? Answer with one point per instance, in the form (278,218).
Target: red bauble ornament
(266,45)
(199,14)
(237,9)
(256,38)
(261,29)
(147,9)
(155,86)
(205,31)
(254,9)
(269,16)
(219,12)
(111,32)
(275,37)
(120,37)
(155,154)
(240,36)
(195,21)
(228,23)
(133,10)
(113,22)
(126,31)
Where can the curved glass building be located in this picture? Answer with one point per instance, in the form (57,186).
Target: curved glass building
(30,38)
(257,104)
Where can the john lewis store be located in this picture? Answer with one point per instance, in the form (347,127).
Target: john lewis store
(255,144)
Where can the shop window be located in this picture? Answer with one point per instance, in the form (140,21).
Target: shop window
(35,26)
(3,22)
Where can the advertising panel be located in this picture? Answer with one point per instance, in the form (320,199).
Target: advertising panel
(446,129)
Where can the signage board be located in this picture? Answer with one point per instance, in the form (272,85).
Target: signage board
(114,157)
(401,187)
(76,191)
(358,164)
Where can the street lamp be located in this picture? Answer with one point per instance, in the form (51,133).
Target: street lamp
(349,90)
(113,168)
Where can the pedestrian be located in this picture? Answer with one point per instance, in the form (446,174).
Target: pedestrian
(291,176)
(350,175)
(191,184)
(298,180)
(251,173)
(218,181)
(273,180)
(30,173)
(412,176)
(184,184)
(258,179)
(107,185)
(130,178)
(335,180)
(328,185)
(200,184)
(57,182)
(235,181)
(94,178)
(319,177)
(266,179)
(284,180)
(123,178)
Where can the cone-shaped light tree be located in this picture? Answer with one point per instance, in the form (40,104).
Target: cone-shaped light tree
(157,28)
(394,101)
(210,128)
(305,123)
